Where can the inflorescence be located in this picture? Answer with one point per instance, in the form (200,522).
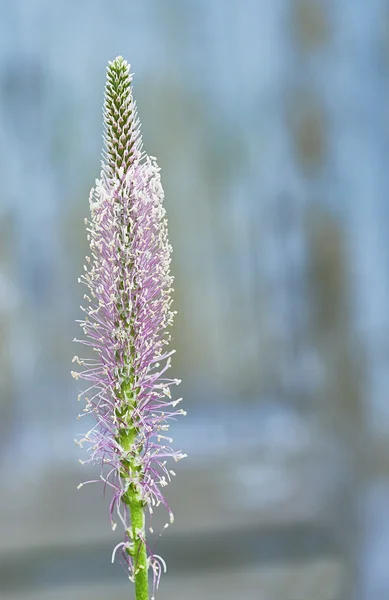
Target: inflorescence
(126,323)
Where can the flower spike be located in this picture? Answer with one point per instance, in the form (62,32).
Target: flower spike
(127,319)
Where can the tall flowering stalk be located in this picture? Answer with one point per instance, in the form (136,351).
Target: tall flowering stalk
(127,316)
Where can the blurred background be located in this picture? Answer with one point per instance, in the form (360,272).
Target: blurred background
(269,119)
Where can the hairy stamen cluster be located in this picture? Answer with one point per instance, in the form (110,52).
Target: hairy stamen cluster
(127,317)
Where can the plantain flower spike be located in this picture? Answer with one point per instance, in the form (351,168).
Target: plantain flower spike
(127,316)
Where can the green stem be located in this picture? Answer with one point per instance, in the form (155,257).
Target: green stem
(140,554)
(135,504)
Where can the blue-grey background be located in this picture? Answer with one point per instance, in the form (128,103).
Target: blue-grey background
(269,119)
